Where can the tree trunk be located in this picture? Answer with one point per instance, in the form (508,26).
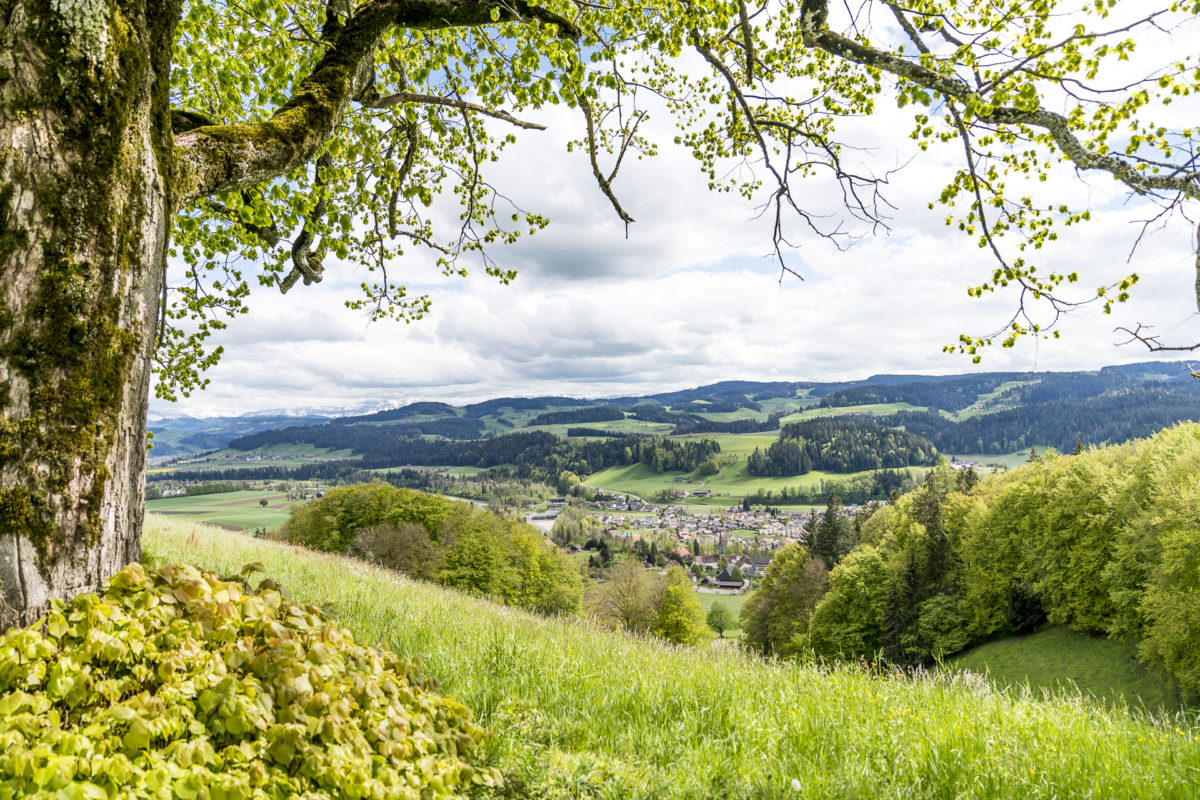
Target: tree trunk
(85,201)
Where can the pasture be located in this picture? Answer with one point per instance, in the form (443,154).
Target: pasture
(280,455)
(235,510)
(1059,659)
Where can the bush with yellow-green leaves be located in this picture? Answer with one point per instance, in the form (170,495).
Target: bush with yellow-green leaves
(181,684)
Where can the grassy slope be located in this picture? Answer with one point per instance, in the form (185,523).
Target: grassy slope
(731,485)
(278,455)
(879,409)
(1060,657)
(578,713)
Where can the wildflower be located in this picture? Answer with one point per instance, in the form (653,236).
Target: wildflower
(795,784)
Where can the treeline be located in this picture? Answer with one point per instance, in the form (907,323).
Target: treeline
(579,415)
(1116,416)
(712,407)
(950,395)
(504,495)
(1104,541)
(731,426)
(477,410)
(213,487)
(839,445)
(411,410)
(324,472)
(357,436)
(856,490)
(648,412)
(431,538)
(577,433)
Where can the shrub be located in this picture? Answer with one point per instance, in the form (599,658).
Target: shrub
(181,684)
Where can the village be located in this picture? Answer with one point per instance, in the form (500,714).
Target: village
(725,550)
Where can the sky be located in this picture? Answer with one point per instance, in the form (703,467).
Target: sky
(693,295)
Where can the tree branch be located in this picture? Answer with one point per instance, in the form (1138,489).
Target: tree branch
(815,30)
(451,102)
(604,183)
(223,158)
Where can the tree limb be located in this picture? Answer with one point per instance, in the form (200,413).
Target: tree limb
(223,158)
(604,183)
(451,102)
(815,30)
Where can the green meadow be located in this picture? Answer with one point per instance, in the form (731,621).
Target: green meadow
(878,409)
(731,484)
(1059,658)
(279,455)
(240,510)
(733,602)
(577,712)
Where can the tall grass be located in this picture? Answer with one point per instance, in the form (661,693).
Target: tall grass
(579,712)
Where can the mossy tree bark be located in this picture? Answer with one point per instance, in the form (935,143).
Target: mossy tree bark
(84,198)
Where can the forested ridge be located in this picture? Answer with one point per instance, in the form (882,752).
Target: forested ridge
(949,395)
(1113,417)
(840,445)
(579,415)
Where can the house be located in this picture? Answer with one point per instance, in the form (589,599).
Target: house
(725,584)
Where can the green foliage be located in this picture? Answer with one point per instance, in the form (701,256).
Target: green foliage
(846,623)
(627,600)
(720,619)
(680,617)
(431,537)
(840,445)
(181,684)
(775,618)
(1103,541)
(941,629)
(834,535)
(746,93)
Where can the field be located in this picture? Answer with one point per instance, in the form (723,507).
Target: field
(989,400)
(878,409)
(1059,658)
(1004,461)
(733,602)
(616,426)
(729,486)
(576,712)
(238,510)
(280,455)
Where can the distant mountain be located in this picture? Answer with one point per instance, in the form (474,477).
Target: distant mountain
(182,436)
(702,406)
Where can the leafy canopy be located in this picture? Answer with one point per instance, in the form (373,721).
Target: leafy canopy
(381,108)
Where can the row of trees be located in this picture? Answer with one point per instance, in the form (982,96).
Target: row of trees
(579,415)
(536,455)
(432,538)
(1104,541)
